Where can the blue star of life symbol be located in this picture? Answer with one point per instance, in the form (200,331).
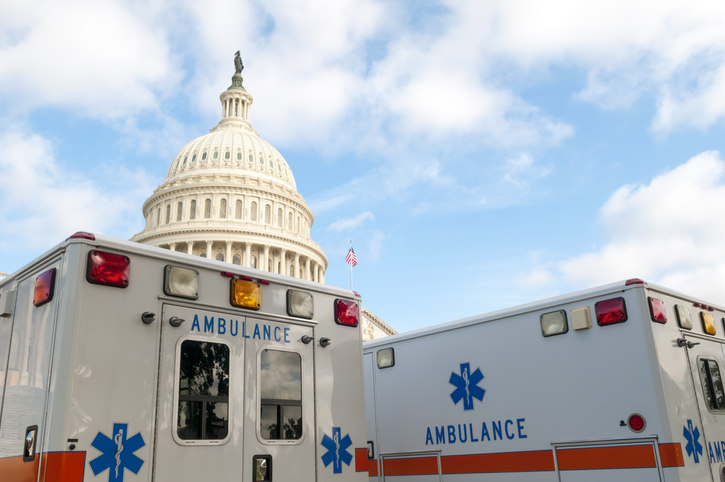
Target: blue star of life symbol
(117,453)
(336,450)
(692,435)
(467,386)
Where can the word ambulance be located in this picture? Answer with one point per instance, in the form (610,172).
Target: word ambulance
(122,362)
(617,383)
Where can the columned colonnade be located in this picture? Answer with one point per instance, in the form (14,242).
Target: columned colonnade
(253,255)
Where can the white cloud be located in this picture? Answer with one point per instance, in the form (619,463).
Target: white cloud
(43,204)
(100,58)
(350,224)
(667,232)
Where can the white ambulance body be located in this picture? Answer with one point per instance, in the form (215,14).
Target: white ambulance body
(122,362)
(618,383)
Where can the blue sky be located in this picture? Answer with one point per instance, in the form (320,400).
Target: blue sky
(478,154)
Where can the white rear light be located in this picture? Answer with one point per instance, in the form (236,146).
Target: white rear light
(554,323)
(181,282)
(385,357)
(299,304)
(683,317)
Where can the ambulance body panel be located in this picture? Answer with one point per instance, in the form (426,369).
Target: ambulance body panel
(165,379)
(618,383)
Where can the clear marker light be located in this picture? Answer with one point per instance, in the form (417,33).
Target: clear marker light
(181,282)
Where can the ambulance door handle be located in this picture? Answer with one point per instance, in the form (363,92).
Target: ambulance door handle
(306,339)
(324,342)
(175,321)
(683,342)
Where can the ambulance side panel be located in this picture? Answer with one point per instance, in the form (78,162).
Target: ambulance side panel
(27,373)
(499,401)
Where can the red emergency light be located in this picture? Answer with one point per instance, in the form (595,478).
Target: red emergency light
(44,287)
(610,311)
(347,313)
(108,269)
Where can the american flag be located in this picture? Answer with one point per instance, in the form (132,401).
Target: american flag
(351,259)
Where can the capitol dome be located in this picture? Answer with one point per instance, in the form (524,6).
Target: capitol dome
(230,195)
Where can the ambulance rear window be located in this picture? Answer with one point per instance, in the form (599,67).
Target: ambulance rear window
(280,387)
(712,386)
(203,391)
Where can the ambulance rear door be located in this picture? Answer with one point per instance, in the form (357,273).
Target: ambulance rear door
(201,379)
(704,439)
(279,439)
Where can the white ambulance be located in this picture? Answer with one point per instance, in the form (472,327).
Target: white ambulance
(121,362)
(618,383)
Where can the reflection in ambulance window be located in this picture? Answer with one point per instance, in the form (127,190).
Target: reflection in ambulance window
(203,411)
(280,386)
(712,385)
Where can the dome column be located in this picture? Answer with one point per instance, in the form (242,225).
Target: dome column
(228,257)
(283,261)
(265,266)
(208,249)
(247,254)
(190,247)
(297,273)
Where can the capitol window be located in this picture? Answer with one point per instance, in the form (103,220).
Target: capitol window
(237,259)
(179,210)
(223,208)
(192,210)
(203,156)
(207,208)
(227,155)
(238,213)
(253,211)
(252,261)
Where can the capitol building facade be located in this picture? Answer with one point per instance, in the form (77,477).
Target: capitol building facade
(229,195)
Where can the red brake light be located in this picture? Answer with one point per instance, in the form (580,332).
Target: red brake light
(611,311)
(636,422)
(346,313)
(657,310)
(44,287)
(108,269)
(634,281)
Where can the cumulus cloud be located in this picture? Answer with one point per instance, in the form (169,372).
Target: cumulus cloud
(102,58)
(43,203)
(667,231)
